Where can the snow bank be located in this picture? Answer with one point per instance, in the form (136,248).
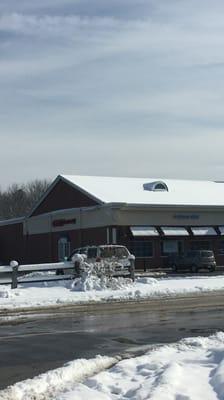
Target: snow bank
(179,371)
(4,292)
(217,381)
(45,386)
(93,282)
(147,281)
(191,369)
(93,288)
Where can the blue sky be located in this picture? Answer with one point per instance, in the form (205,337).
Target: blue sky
(122,87)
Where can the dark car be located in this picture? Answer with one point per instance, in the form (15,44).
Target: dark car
(193,261)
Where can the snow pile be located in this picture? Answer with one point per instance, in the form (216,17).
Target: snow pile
(97,289)
(14,264)
(4,292)
(191,369)
(45,386)
(36,275)
(217,380)
(147,281)
(89,281)
(96,276)
(101,268)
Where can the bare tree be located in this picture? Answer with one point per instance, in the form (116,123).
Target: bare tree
(34,190)
(18,200)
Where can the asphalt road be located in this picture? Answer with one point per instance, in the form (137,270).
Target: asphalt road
(39,344)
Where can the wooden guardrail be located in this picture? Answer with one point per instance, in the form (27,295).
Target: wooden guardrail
(15,273)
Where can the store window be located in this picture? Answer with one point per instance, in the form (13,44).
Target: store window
(141,248)
(64,248)
(171,247)
(221,248)
(200,245)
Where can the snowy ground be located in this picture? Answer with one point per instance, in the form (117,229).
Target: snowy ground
(192,369)
(95,290)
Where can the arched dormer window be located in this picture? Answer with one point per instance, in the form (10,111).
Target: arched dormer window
(157,186)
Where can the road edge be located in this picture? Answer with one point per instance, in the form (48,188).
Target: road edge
(203,300)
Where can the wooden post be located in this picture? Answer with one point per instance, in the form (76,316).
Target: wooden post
(15,266)
(132,268)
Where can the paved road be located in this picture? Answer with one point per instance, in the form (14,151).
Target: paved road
(40,344)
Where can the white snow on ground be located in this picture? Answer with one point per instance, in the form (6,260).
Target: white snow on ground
(4,292)
(95,290)
(46,385)
(192,369)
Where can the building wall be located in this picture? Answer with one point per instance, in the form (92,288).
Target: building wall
(12,245)
(63,196)
(169,216)
(41,248)
(38,248)
(67,220)
(36,240)
(94,236)
(44,247)
(158,259)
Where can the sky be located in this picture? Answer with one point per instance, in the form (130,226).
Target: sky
(114,88)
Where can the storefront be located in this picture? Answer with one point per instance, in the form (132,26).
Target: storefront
(152,218)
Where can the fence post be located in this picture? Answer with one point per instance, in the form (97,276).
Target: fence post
(132,268)
(15,266)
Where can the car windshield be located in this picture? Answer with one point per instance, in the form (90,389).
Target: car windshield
(108,252)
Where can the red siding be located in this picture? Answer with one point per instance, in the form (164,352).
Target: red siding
(63,196)
(38,248)
(43,248)
(79,238)
(12,243)
(94,236)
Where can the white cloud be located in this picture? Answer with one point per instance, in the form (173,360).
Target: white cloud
(173,154)
(54,25)
(116,87)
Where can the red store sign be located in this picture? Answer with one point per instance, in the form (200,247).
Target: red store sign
(61,222)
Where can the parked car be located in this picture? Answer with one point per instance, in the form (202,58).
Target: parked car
(117,256)
(193,261)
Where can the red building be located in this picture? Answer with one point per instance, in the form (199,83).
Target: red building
(153,218)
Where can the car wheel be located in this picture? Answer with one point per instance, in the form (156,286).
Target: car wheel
(212,268)
(194,269)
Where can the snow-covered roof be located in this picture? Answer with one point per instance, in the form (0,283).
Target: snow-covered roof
(150,191)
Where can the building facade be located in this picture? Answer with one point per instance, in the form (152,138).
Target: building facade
(153,218)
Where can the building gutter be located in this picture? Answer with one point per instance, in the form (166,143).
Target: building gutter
(12,221)
(171,207)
